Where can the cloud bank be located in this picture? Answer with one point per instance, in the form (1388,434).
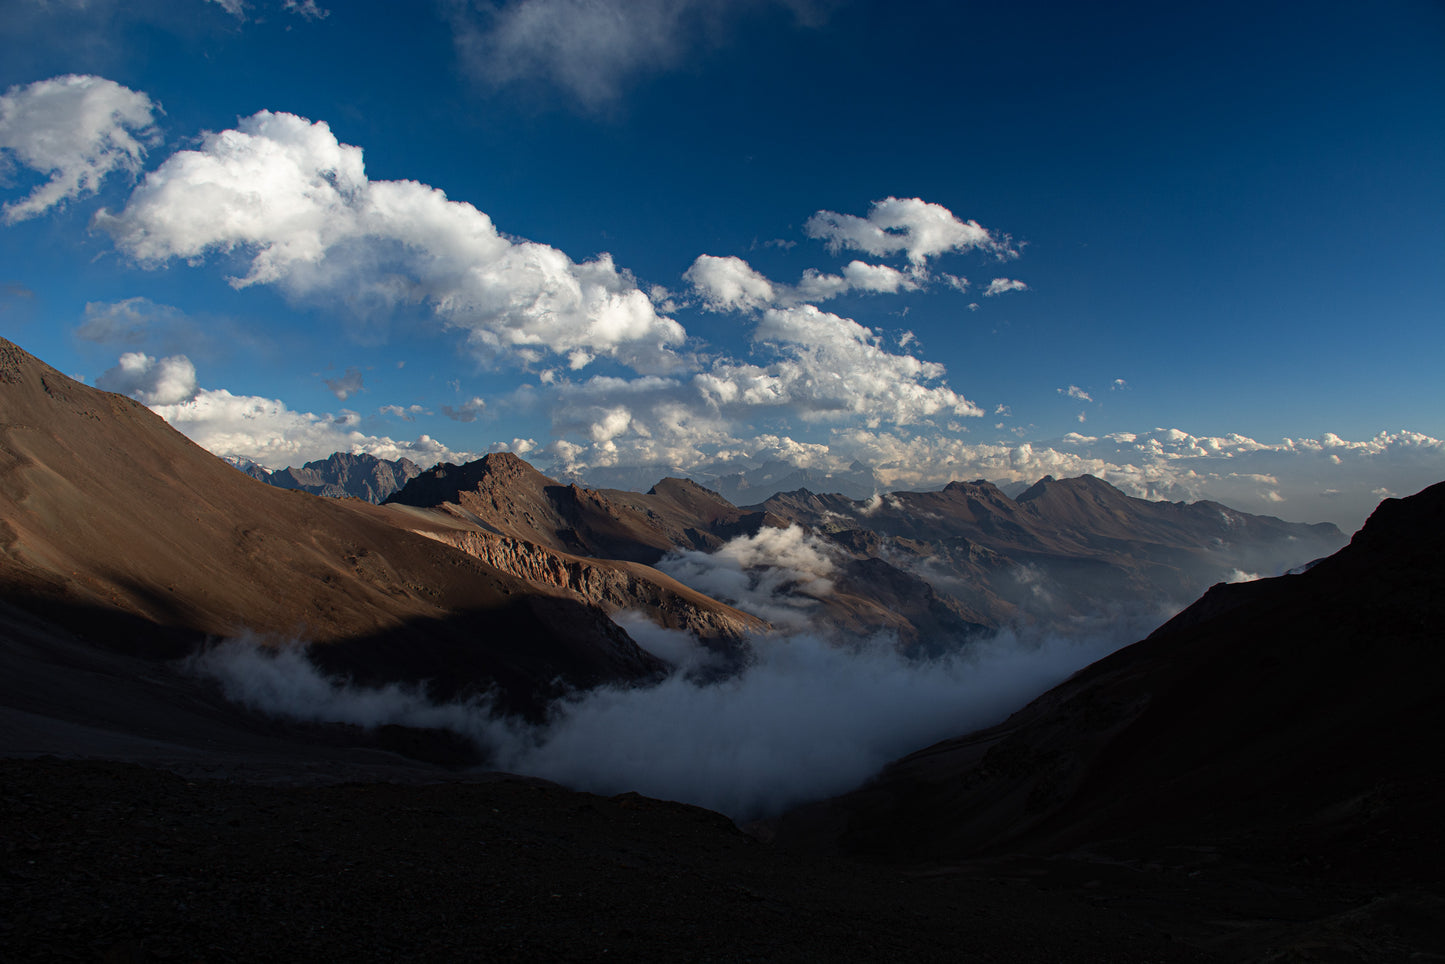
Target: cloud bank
(263,430)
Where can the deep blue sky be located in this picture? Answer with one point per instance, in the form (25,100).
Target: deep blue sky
(1236,209)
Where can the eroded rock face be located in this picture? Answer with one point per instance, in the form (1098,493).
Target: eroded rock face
(613,586)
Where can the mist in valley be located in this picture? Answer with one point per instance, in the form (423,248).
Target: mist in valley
(808,711)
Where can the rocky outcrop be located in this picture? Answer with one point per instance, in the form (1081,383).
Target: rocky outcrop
(613,586)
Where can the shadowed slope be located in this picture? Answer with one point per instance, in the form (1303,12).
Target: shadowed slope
(1301,713)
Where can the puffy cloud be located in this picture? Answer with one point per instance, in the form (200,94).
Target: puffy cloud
(282,192)
(406,413)
(1000,285)
(261,429)
(731,284)
(856,276)
(151,381)
(347,385)
(1074,391)
(776,574)
(833,364)
(519,446)
(826,370)
(594,48)
(911,225)
(77,129)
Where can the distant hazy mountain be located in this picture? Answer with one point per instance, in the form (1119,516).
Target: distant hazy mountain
(1062,553)
(338,476)
(740,482)
(749,486)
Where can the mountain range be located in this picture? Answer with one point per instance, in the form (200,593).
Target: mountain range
(1259,776)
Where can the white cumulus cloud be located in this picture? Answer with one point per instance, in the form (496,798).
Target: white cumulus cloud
(151,381)
(77,129)
(287,198)
(265,430)
(917,228)
(731,284)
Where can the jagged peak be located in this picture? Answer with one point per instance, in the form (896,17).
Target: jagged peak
(673,485)
(446,481)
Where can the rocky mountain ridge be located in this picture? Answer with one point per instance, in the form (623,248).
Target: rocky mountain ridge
(340,475)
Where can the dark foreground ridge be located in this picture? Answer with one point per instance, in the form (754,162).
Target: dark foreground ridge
(119,862)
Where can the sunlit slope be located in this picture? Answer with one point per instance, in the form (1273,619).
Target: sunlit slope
(112,521)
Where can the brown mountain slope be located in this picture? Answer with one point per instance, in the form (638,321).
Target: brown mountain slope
(503,492)
(106,511)
(1296,718)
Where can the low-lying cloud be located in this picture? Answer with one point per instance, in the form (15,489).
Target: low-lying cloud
(775,574)
(803,720)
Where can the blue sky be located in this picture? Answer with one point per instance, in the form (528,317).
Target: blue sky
(1202,243)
